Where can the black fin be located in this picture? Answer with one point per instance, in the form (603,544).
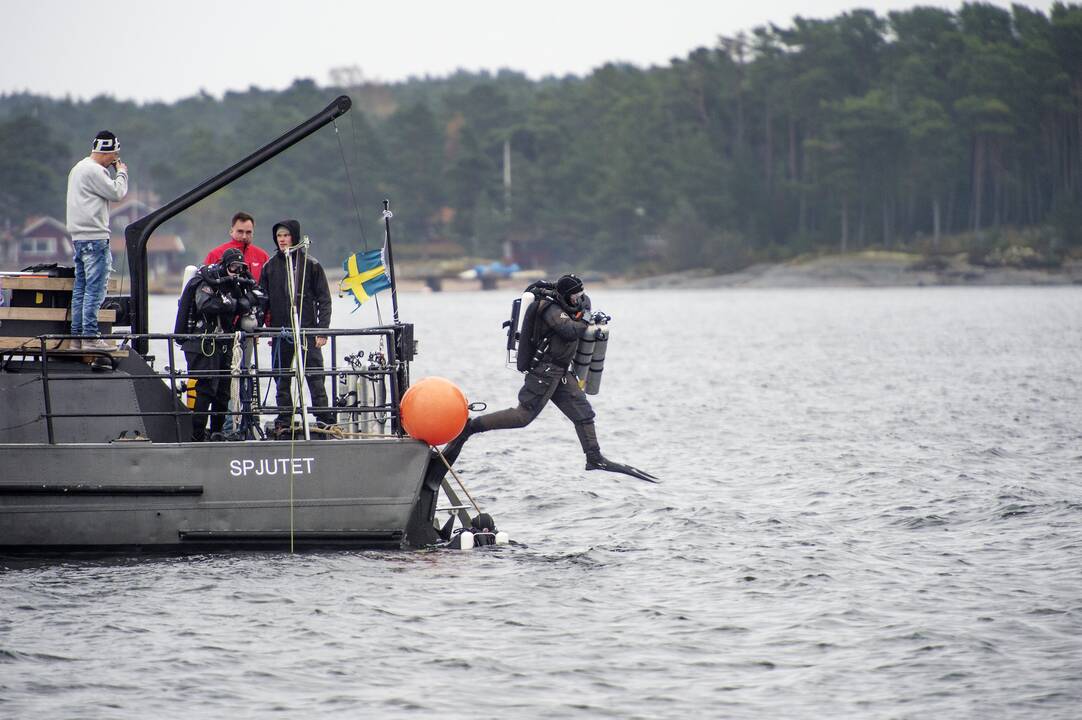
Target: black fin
(610,466)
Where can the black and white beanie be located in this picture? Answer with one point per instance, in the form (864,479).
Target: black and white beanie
(105,142)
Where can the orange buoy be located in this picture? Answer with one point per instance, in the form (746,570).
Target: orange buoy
(434,410)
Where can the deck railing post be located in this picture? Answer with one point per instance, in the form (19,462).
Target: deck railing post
(45,390)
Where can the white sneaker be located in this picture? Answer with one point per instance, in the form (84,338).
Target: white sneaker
(98,344)
(75,344)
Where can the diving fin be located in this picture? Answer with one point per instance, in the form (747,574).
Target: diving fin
(602,463)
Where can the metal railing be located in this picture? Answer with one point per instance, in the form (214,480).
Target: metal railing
(389,365)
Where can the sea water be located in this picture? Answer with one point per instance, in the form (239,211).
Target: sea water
(870,507)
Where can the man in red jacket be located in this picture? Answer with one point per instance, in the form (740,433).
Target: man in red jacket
(240,232)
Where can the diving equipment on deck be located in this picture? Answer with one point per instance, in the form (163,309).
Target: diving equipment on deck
(362,394)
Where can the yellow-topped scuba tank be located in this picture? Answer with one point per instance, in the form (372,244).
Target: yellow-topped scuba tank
(580,366)
(589,360)
(189,384)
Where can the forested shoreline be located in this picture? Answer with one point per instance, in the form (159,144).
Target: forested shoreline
(927,129)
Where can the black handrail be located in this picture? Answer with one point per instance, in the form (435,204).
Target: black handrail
(138,233)
(393,371)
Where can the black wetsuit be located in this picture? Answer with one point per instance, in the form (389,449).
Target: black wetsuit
(213,310)
(551,379)
(560,328)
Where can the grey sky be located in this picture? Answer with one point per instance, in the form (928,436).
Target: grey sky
(149,50)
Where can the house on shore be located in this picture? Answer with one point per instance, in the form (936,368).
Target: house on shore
(44,240)
(40,241)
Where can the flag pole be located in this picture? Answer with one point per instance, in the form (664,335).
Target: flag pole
(387,215)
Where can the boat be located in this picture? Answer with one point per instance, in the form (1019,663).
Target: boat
(96,449)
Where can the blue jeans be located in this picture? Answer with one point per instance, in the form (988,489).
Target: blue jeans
(93,261)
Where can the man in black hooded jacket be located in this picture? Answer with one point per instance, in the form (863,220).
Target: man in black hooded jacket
(312,297)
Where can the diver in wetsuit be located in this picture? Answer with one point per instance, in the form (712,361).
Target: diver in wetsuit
(562,322)
(211,303)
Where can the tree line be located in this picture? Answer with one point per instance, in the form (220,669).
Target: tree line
(924,129)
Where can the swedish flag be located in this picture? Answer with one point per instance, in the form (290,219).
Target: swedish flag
(366,275)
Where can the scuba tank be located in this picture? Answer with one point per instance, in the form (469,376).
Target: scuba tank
(528,347)
(583,353)
(597,361)
(189,273)
(518,314)
(357,389)
(589,360)
(347,395)
(378,384)
(372,393)
(185,304)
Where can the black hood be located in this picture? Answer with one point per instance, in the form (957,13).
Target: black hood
(232,255)
(294,228)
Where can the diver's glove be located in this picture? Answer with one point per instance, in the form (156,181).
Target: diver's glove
(213,275)
(600,462)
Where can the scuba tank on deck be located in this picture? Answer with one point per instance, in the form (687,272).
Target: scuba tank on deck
(373,394)
(357,389)
(347,398)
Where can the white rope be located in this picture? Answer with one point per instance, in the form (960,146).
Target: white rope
(234,380)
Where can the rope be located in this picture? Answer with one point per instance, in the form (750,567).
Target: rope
(357,206)
(336,431)
(31,381)
(457,479)
(298,367)
(349,178)
(28,422)
(234,380)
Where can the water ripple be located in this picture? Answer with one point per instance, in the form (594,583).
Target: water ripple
(870,509)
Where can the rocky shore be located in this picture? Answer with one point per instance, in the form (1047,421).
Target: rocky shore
(866,269)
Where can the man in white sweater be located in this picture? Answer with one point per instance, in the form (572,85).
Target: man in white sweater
(90,188)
